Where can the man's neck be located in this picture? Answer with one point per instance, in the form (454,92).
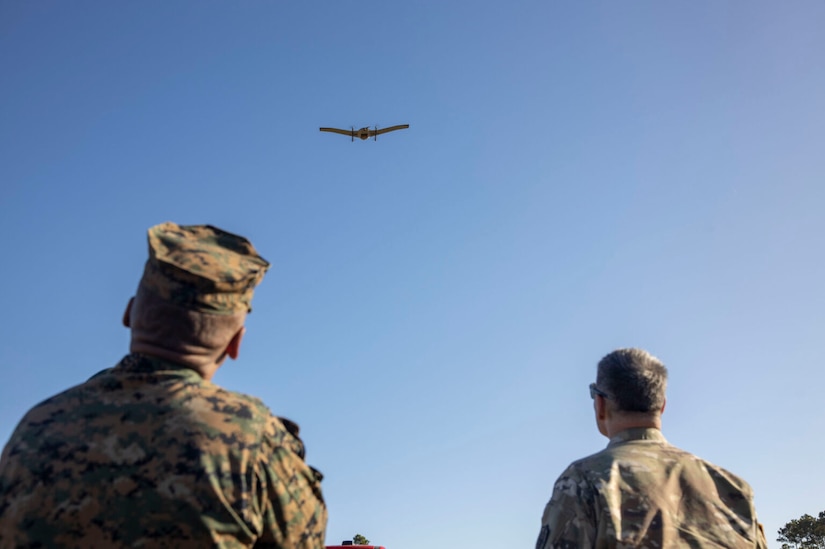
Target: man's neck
(203,364)
(631,420)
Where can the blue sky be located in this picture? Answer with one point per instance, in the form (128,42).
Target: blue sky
(577,177)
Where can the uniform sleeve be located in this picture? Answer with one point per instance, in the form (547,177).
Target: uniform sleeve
(290,500)
(568,521)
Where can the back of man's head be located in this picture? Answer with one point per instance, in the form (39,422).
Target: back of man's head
(195,292)
(635,380)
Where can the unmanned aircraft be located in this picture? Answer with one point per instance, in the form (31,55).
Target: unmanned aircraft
(366,133)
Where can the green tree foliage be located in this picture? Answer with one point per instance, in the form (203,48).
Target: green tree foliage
(358,539)
(806,532)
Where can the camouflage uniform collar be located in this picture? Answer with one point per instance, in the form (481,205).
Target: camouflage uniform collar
(140,363)
(637,433)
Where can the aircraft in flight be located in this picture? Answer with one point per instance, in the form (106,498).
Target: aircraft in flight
(366,133)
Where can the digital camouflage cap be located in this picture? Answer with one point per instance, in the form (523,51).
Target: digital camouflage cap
(202,268)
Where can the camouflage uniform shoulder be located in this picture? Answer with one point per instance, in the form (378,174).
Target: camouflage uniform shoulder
(730,486)
(277,430)
(53,404)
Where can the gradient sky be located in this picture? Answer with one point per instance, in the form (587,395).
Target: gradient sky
(577,177)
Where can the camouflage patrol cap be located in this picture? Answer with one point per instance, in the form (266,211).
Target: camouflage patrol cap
(202,268)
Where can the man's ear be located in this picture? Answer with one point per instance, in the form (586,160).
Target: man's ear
(662,411)
(601,407)
(128,313)
(234,347)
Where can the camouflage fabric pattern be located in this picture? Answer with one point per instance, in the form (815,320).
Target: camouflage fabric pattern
(642,492)
(202,268)
(148,454)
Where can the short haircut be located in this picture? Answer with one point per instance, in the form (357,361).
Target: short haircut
(634,379)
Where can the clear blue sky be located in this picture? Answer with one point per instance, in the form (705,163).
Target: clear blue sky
(578,176)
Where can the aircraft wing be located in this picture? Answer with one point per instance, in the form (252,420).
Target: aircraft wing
(336,130)
(391,129)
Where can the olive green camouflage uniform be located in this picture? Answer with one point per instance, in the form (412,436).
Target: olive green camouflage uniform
(148,453)
(642,492)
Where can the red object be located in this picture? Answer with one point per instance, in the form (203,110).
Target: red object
(356,547)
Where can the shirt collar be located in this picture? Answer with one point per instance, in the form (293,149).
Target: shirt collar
(637,433)
(138,363)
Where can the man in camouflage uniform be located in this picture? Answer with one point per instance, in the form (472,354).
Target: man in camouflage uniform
(151,453)
(640,491)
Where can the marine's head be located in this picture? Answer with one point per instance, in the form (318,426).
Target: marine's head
(629,390)
(194,295)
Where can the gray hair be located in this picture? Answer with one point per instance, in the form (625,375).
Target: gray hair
(634,379)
